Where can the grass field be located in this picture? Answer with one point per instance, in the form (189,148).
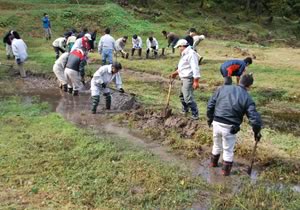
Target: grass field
(43,166)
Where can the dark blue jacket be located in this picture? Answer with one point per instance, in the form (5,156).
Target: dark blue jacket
(233,68)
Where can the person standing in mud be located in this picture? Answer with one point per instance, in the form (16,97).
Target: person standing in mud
(189,73)
(100,84)
(59,68)
(74,71)
(47,26)
(225,111)
(7,41)
(19,49)
(234,68)
(106,47)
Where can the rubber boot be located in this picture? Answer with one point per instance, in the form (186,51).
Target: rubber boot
(140,52)
(226,168)
(127,55)
(132,52)
(107,100)
(65,88)
(75,93)
(163,51)
(70,90)
(95,102)
(147,54)
(214,160)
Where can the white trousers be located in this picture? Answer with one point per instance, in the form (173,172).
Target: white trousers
(223,141)
(73,79)
(59,73)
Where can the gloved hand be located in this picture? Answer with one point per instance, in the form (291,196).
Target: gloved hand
(257,136)
(121,90)
(196,83)
(103,85)
(209,122)
(174,75)
(18,61)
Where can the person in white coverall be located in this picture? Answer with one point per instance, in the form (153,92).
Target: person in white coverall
(59,68)
(120,45)
(19,49)
(137,43)
(100,84)
(59,45)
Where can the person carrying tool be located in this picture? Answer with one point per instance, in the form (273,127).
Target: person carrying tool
(82,42)
(100,84)
(137,43)
(189,73)
(47,26)
(7,41)
(152,44)
(59,68)
(225,111)
(19,49)
(59,45)
(106,47)
(234,68)
(120,45)
(172,39)
(74,71)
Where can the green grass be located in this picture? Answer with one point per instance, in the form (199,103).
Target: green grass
(50,162)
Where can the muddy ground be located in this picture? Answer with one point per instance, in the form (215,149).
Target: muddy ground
(143,127)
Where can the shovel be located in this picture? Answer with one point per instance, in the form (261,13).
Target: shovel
(167,112)
(253,154)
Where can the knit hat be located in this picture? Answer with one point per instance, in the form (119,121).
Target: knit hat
(246,80)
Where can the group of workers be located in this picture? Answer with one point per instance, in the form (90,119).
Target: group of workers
(225,109)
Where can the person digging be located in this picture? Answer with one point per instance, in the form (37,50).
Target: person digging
(100,82)
(225,111)
(189,73)
(234,68)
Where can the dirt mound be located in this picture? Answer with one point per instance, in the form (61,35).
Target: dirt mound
(152,121)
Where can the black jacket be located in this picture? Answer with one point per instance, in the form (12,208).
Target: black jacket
(76,61)
(190,40)
(230,103)
(7,38)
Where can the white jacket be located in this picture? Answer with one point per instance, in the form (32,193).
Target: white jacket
(106,42)
(71,39)
(61,62)
(197,39)
(154,43)
(19,49)
(104,75)
(60,42)
(120,45)
(137,43)
(188,64)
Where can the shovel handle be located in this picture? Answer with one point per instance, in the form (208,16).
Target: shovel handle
(169,92)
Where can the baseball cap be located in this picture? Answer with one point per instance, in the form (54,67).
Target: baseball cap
(88,36)
(181,42)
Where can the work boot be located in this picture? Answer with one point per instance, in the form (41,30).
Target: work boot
(107,100)
(147,54)
(140,52)
(95,102)
(132,52)
(214,160)
(127,55)
(65,88)
(70,90)
(226,168)
(75,93)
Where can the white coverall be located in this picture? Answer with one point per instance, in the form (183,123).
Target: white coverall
(19,49)
(59,67)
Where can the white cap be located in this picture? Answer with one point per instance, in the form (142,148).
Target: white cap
(181,42)
(88,36)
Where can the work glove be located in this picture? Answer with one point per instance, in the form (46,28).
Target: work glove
(257,136)
(196,83)
(18,61)
(103,85)
(209,122)
(121,90)
(174,74)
